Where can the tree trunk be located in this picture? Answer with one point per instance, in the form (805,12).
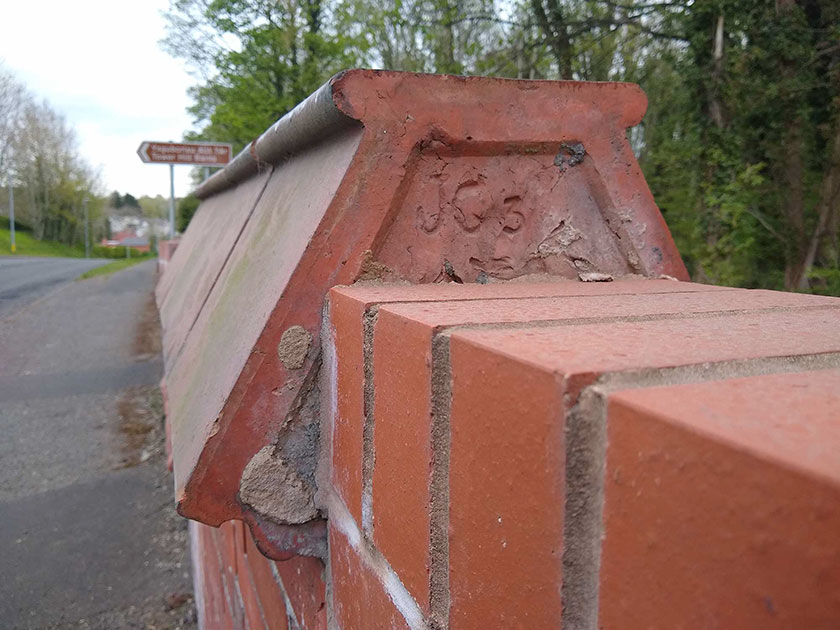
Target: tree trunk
(793,173)
(828,210)
(554,28)
(715,105)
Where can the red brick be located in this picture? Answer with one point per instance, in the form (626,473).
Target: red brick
(402,374)
(230,536)
(359,599)
(506,492)
(218,605)
(402,353)
(207,581)
(248,589)
(349,304)
(347,322)
(270,596)
(226,540)
(722,505)
(303,579)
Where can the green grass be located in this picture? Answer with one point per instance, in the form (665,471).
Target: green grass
(28,246)
(111,267)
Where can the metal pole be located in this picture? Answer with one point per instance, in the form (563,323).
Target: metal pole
(206,172)
(87,241)
(171,201)
(12,214)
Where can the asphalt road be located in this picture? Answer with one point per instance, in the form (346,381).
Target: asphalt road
(23,280)
(88,534)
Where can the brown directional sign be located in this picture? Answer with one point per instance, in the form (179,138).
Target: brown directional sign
(199,153)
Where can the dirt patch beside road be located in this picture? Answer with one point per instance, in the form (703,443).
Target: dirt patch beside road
(147,341)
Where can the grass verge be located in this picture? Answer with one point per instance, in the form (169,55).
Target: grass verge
(27,246)
(111,267)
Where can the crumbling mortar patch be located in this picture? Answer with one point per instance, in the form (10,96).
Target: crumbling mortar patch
(272,488)
(294,346)
(279,481)
(439,509)
(368,447)
(298,441)
(582,525)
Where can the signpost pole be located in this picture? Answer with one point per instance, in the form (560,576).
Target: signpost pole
(171,201)
(87,240)
(12,213)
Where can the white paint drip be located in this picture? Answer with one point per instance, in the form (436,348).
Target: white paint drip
(198,573)
(328,356)
(290,611)
(341,518)
(241,604)
(367,511)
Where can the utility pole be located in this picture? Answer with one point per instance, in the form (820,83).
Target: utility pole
(12,212)
(87,240)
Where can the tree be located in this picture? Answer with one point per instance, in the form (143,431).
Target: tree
(740,145)
(256,58)
(39,156)
(130,201)
(154,207)
(13,100)
(186,209)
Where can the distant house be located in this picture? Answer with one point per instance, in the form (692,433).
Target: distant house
(122,226)
(128,238)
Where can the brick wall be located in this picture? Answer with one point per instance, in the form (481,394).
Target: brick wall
(512,414)
(620,455)
(238,587)
(647,454)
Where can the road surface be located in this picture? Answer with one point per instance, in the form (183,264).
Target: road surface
(88,534)
(23,279)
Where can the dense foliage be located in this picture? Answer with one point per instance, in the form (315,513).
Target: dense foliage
(741,143)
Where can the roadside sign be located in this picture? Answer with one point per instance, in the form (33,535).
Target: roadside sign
(197,153)
(204,154)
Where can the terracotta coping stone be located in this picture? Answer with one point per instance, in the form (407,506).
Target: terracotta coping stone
(389,176)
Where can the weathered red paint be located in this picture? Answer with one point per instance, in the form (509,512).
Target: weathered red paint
(445,178)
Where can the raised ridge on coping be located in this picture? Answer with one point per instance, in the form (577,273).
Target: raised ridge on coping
(313,119)
(317,117)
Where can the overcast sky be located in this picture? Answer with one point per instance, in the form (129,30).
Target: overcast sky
(99,63)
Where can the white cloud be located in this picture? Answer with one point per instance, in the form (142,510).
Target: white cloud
(99,63)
